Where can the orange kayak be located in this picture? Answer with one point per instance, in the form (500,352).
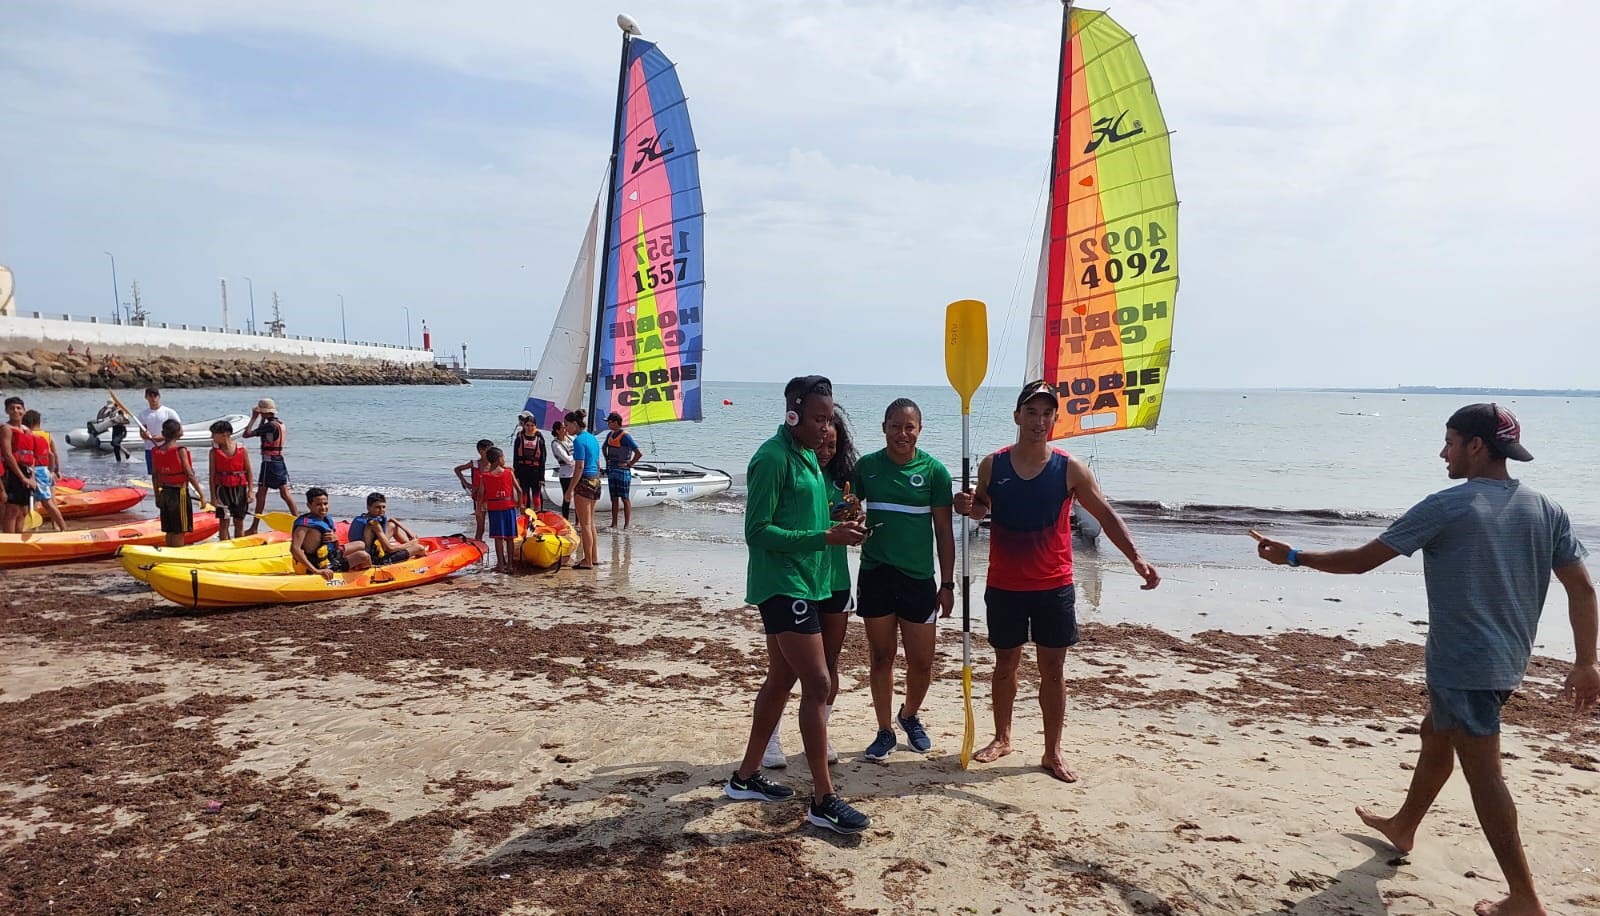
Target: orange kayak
(200,587)
(37,547)
(89,503)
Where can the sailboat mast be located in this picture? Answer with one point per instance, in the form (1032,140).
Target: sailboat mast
(629,29)
(1049,366)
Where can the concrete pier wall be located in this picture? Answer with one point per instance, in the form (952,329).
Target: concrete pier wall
(23,333)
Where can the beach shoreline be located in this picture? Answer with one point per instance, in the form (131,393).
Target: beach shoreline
(541,744)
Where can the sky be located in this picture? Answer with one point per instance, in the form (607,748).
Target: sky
(1372,194)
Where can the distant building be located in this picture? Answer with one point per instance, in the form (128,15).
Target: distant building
(8,302)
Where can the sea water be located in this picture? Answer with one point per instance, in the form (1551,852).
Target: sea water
(1221,461)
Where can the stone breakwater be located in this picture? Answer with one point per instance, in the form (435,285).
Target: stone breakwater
(44,369)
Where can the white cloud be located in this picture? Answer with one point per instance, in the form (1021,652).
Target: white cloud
(1367,190)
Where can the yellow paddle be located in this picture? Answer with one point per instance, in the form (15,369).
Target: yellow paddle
(966,361)
(278,521)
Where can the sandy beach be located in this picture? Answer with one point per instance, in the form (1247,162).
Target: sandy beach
(540,745)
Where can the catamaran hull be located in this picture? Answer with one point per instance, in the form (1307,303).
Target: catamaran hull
(194,435)
(653,486)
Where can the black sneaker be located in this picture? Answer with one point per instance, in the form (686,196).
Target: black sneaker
(832,813)
(756,788)
(916,735)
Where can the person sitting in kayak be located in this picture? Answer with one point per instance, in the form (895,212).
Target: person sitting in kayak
(315,546)
(384,539)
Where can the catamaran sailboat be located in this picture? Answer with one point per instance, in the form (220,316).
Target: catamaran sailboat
(1101,326)
(642,342)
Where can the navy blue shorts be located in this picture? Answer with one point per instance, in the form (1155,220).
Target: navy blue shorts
(274,474)
(1471,712)
(1050,614)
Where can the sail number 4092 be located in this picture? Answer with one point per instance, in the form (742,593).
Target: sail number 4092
(1129,253)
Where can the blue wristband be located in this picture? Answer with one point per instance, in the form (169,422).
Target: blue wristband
(1293,558)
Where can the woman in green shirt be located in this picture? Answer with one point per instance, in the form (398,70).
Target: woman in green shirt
(836,455)
(787,533)
(907,494)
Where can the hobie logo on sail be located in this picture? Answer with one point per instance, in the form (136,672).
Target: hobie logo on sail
(656,386)
(1106,130)
(650,150)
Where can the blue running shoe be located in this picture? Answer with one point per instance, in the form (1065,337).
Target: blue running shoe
(832,813)
(756,788)
(883,746)
(916,735)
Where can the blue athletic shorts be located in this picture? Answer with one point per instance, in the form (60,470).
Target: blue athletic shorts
(502,523)
(1472,712)
(274,474)
(619,481)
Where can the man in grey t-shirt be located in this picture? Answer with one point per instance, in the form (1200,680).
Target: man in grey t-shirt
(1488,546)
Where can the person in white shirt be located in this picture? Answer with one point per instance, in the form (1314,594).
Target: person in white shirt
(150,421)
(561,451)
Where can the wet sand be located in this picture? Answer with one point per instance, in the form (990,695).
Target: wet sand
(557,743)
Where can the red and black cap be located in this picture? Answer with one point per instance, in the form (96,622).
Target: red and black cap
(1495,425)
(1037,389)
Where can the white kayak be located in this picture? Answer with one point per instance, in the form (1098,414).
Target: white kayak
(194,434)
(654,484)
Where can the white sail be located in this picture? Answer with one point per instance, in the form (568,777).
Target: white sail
(558,386)
(1033,358)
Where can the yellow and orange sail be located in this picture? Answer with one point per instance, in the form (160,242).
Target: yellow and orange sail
(1101,330)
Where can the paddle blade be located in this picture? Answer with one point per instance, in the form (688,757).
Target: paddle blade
(971,733)
(278,521)
(966,347)
(32,520)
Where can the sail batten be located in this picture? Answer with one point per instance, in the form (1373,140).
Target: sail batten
(1101,328)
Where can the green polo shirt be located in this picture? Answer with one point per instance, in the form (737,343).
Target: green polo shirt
(786,523)
(900,499)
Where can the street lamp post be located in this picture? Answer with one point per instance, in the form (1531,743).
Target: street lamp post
(252,285)
(408,326)
(344,331)
(116,304)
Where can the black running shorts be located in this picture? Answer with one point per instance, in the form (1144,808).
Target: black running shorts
(1051,616)
(783,614)
(885,590)
(840,602)
(177,515)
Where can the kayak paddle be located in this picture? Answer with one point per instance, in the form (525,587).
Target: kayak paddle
(966,361)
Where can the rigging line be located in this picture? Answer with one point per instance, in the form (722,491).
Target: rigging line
(1005,329)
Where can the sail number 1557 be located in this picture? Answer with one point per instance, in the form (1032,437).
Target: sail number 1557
(675,261)
(1131,252)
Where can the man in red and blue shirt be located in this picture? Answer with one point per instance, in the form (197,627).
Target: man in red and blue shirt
(1027,490)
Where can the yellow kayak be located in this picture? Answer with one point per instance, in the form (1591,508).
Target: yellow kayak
(269,551)
(203,587)
(550,539)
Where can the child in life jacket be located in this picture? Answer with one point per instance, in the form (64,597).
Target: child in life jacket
(232,478)
(501,495)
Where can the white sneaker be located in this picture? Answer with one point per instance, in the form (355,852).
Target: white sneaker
(773,757)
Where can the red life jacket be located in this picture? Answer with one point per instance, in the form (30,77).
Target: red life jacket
(23,446)
(229,470)
(168,466)
(498,490)
(529,452)
(271,447)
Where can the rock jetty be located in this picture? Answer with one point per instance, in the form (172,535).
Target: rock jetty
(43,369)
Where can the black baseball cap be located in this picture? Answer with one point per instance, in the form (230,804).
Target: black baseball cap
(614,416)
(1037,389)
(1495,425)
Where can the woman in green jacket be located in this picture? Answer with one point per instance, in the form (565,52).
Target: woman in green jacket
(787,533)
(836,455)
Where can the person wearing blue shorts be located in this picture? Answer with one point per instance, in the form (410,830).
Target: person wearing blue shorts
(1489,546)
(622,453)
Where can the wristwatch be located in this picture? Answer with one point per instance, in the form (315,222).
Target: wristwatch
(947,586)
